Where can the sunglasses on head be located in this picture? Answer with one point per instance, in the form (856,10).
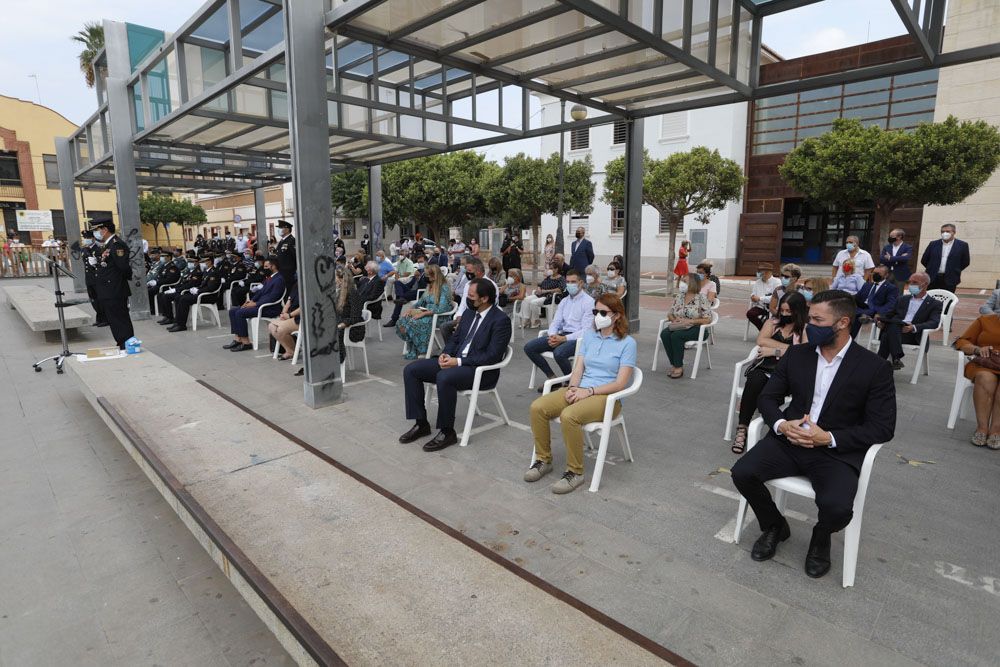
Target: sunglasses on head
(786,275)
(597,312)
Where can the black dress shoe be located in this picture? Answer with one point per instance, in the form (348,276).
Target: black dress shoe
(418,431)
(231,345)
(767,543)
(818,556)
(390,324)
(241,347)
(441,440)
(166,320)
(177,327)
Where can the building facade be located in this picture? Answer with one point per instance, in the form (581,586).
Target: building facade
(29,178)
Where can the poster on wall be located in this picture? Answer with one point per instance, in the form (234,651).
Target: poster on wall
(34,221)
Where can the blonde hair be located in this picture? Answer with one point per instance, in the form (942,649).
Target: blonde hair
(435,280)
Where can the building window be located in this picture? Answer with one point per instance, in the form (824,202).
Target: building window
(617,220)
(9,170)
(674,126)
(664,227)
(620,132)
(577,221)
(579,139)
(347,228)
(51,171)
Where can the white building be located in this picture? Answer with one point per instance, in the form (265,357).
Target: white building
(723,128)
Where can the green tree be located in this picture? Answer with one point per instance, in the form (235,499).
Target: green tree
(698,182)
(853,165)
(525,188)
(156,209)
(92,38)
(348,193)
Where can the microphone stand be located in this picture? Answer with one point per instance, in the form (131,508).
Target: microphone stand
(60,304)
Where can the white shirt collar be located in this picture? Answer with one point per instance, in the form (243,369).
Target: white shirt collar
(840,354)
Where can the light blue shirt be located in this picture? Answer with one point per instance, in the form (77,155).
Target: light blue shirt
(851,284)
(574,316)
(603,357)
(385,268)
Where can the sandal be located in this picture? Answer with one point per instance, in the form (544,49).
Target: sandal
(285,357)
(979,439)
(740,440)
(673,375)
(993,442)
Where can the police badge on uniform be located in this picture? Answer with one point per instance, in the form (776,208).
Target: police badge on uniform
(120,252)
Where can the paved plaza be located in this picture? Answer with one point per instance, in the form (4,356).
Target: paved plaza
(653,548)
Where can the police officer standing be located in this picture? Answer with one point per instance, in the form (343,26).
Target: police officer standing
(92,249)
(285,252)
(113,271)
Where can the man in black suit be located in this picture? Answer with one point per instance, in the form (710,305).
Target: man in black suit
(285,252)
(581,252)
(876,297)
(112,271)
(843,402)
(945,259)
(896,254)
(915,313)
(480,340)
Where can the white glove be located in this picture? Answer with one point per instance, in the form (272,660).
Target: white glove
(194,290)
(170,291)
(151,283)
(242,284)
(92,261)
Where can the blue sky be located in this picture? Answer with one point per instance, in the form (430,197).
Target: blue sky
(41,44)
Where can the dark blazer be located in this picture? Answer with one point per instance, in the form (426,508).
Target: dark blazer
(958,261)
(899,264)
(582,255)
(884,303)
(285,252)
(489,344)
(273,289)
(928,315)
(860,406)
(113,270)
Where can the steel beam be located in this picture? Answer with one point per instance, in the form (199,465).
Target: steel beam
(912,23)
(305,37)
(632,251)
(528,19)
(375,207)
(64,162)
(260,218)
(433,17)
(235,36)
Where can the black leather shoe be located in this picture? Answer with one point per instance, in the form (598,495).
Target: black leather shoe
(418,431)
(177,327)
(166,320)
(441,440)
(241,347)
(231,345)
(767,543)
(818,556)
(390,324)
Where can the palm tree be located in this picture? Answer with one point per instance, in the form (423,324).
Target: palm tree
(92,38)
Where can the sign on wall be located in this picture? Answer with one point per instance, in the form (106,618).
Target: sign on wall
(34,221)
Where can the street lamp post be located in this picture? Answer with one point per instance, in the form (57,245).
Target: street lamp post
(578,112)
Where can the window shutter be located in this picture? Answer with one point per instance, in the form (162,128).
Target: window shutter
(674,125)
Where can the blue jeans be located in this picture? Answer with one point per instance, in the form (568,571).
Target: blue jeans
(562,353)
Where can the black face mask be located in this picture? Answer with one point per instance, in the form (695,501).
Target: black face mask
(876,278)
(470,275)
(471,305)
(785,320)
(579,235)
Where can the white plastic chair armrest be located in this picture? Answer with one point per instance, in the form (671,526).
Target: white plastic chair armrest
(478,377)
(547,387)
(609,404)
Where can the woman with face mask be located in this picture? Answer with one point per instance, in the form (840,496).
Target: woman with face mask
(790,274)
(776,335)
(549,291)
(592,282)
(512,291)
(495,272)
(550,249)
(604,365)
(614,281)
(709,283)
(414,326)
(810,287)
(690,310)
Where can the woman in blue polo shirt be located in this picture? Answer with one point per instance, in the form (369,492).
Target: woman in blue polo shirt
(603,366)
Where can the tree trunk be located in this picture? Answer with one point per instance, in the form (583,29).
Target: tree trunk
(536,224)
(675,225)
(156,232)
(883,215)
(166,230)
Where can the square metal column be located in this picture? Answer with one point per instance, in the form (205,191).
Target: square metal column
(375,207)
(260,215)
(64,162)
(632,251)
(305,41)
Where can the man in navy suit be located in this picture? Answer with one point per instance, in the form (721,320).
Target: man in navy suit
(945,259)
(896,254)
(843,402)
(876,297)
(915,313)
(272,290)
(480,339)
(582,254)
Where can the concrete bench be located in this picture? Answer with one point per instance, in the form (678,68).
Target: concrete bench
(338,568)
(37,306)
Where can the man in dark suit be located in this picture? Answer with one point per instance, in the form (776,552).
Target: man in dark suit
(92,249)
(945,259)
(273,290)
(480,340)
(876,297)
(284,252)
(843,401)
(582,252)
(896,254)
(915,312)
(209,289)
(112,271)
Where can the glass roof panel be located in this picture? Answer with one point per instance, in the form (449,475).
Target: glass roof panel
(254,136)
(533,35)
(266,35)
(215,27)
(475,20)
(215,133)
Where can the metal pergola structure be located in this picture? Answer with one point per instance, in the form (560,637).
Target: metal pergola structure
(249,93)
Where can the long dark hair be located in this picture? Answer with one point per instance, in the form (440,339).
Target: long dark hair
(800,311)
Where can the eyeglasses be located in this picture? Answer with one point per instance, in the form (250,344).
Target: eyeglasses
(597,312)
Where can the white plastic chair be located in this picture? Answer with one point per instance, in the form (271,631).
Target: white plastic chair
(800,486)
(227,297)
(924,348)
(350,345)
(701,343)
(737,391)
(255,322)
(298,344)
(963,392)
(949,304)
(715,305)
(550,355)
(517,316)
(746,332)
(366,306)
(605,426)
(436,335)
(474,394)
(213,309)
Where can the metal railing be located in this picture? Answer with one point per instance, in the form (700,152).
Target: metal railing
(29,261)
(11,188)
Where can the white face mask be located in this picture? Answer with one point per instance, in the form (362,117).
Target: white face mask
(602,321)
(682,288)
(945,236)
(279,234)
(612,273)
(548,273)
(87,242)
(258,264)
(510,281)
(217,261)
(590,280)
(190,266)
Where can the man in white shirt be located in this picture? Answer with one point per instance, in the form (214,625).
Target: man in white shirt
(241,243)
(760,294)
(574,317)
(915,313)
(843,401)
(863,262)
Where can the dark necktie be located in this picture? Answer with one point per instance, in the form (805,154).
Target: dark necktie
(472,333)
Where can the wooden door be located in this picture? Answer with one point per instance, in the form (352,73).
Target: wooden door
(759,241)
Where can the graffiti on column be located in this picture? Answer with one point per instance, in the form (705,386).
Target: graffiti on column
(324,335)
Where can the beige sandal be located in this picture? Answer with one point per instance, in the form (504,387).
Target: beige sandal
(979,439)
(993,442)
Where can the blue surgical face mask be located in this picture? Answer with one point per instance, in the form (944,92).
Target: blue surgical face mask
(914,289)
(850,246)
(572,288)
(190,266)
(99,235)
(807,294)
(820,336)
(785,282)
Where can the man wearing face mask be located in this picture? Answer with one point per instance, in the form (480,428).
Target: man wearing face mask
(863,262)
(273,290)
(843,401)
(945,259)
(285,251)
(511,251)
(876,298)
(474,270)
(91,249)
(168,276)
(480,339)
(408,292)
(574,317)
(255,273)
(896,254)
(760,294)
(167,299)
(156,264)
(113,270)
(581,252)
(915,312)
(208,289)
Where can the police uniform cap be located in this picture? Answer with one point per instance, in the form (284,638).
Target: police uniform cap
(87,234)
(284,224)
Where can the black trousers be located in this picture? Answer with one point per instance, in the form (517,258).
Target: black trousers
(937,282)
(116,312)
(892,339)
(758,315)
(751,392)
(183,303)
(449,382)
(99,316)
(834,481)
(165,304)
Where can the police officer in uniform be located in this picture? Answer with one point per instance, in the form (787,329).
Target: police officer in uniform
(236,271)
(255,274)
(285,252)
(211,281)
(92,249)
(168,273)
(113,271)
(165,301)
(154,265)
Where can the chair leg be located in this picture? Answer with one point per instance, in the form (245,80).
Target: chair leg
(254,334)
(215,315)
(852,540)
(708,356)
(194,316)
(697,361)
(503,411)
(920,362)
(531,380)
(467,432)
(626,449)
(746,332)
(277,347)
(298,349)
(656,351)
(781,500)
(601,453)
(732,411)
(741,515)
(364,352)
